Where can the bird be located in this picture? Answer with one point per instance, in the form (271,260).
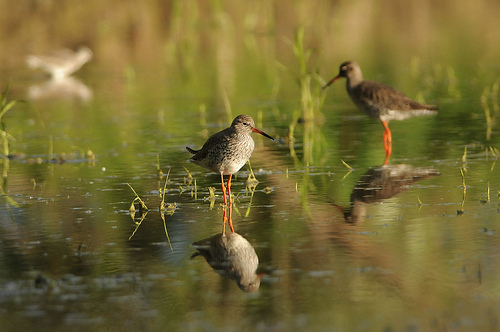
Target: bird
(61,63)
(227,151)
(231,256)
(379,101)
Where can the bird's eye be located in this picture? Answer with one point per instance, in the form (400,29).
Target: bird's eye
(244,123)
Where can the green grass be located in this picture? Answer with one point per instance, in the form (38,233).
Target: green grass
(5,106)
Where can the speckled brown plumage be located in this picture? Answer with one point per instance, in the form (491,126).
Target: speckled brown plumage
(379,101)
(227,151)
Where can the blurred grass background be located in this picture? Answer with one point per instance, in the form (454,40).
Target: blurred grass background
(187,35)
(163,58)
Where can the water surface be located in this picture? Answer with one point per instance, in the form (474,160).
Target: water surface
(408,246)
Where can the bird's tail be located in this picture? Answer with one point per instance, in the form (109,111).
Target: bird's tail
(191,150)
(195,255)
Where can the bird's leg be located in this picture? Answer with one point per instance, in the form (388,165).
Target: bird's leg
(225,204)
(230,203)
(224,223)
(387,135)
(387,142)
(223,188)
(387,157)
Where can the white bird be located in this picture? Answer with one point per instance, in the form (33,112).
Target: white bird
(60,63)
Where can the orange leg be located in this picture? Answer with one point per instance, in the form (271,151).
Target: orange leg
(230,219)
(223,188)
(225,204)
(387,142)
(224,222)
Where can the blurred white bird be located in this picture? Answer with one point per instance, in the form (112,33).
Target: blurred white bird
(60,63)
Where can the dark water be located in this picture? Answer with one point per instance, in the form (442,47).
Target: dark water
(413,245)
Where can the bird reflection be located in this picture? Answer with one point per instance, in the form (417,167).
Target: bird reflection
(231,256)
(59,65)
(63,88)
(380,183)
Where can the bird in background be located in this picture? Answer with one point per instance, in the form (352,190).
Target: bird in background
(226,152)
(61,63)
(379,101)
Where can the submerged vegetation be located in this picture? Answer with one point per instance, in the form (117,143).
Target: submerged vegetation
(490,94)
(164,207)
(5,106)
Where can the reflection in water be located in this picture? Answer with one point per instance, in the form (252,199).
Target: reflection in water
(380,183)
(63,88)
(251,185)
(59,65)
(233,257)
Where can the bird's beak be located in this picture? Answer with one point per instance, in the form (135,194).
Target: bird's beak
(331,82)
(255,130)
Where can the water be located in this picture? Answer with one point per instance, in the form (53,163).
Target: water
(411,246)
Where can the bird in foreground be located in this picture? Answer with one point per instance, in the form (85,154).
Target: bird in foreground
(61,63)
(379,101)
(231,256)
(227,151)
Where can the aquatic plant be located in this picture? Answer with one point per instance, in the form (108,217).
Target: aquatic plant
(251,180)
(168,209)
(464,193)
(5,106)
(309,81)
(143,209)
(211,197)
(164,208)
(309,116)
(490,93)
(162,193)
(137,198)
